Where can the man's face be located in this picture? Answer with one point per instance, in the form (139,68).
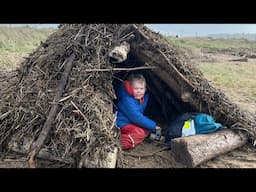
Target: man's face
(139,89)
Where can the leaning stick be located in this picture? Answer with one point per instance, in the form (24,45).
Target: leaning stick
(37,145)
(121,69)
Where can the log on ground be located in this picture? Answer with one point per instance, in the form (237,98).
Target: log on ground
(194,150)
(243,59)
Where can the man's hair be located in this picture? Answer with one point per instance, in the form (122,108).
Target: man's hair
(136,77)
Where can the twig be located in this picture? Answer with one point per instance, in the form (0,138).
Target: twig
(86,37)
(8,78)
(64,63)
(78,33)
(127,35)
(121,69)
(114,121)
(140,32)
(65,98)
(2,117)
(118,78)
(96,30)
(81,113)
(37,145)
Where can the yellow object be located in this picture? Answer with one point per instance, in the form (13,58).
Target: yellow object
(186,124)
(188,128)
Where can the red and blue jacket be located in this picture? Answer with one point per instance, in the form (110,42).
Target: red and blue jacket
(130,110)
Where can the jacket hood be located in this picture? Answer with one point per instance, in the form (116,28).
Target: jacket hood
(129,89)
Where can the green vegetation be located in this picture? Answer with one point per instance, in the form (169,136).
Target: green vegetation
(212,44)
(21,39)
(17,42)
(238,78)
(235,79)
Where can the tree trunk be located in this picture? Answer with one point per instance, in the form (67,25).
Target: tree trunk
(194,150)
(119,53)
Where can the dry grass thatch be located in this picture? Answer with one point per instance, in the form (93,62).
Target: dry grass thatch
(84,124)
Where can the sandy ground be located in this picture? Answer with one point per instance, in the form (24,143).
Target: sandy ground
(148,155)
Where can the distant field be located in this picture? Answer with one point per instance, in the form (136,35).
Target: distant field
(236,79)
(17,42)
(212,44)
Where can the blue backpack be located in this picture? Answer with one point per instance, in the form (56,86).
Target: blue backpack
(203,124)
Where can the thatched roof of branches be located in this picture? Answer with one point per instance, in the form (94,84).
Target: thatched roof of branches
(61,106)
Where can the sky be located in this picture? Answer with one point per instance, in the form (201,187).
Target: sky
(184,30)
(202,29)
(32,25)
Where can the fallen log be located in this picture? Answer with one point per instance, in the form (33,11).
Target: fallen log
(194,150)
(119,53)
(252,56)
(244,59)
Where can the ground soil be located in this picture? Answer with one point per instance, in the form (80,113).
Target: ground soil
(149,154)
